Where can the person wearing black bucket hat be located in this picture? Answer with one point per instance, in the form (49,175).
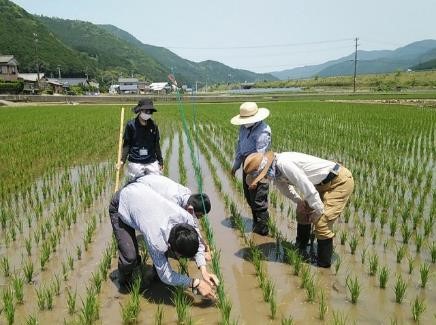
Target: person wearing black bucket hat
(141,142)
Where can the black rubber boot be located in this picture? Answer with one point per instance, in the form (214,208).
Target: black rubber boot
(261,226)
(325,252)
(302,240)
(254,220)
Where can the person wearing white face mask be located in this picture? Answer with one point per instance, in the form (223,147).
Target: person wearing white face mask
(254,136)
(141,142)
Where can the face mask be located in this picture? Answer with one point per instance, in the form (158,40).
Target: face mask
(249,125)
(145,116)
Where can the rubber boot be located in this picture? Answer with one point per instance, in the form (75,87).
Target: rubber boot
(302,240)
(325,252)
(261,226)
(254,220)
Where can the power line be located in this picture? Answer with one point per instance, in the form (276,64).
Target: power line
(257,46)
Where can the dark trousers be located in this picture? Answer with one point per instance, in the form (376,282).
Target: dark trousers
(128,253)
(257,199)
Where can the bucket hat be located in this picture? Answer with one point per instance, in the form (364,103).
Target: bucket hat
(144,104)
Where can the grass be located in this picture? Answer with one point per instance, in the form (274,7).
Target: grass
(418,308)
(400,289)
(354,288)
(383,277)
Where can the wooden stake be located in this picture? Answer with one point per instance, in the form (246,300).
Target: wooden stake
(120,148)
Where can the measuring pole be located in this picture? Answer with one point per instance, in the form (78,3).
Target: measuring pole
(355,66)
(120,148)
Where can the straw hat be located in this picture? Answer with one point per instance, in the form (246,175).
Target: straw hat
(258,164)
(249,113)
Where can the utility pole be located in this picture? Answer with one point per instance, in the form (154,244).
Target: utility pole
(355,66)
(35,38)
(59,72)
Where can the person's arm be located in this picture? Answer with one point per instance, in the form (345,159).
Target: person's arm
(288,191)
(263,142)
(127,140)
(157,148)
(238,156)
(297,177)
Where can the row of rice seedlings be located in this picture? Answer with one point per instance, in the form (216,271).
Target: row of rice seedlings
(182,169)
(224,304)
(182,304)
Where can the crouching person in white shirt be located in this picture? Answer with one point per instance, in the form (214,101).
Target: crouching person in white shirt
(166,227)
(325,187)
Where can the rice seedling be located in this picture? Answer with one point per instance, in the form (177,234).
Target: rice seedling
(400,289)
(28,270)
(418,308)
(311,289)
(288,321)
(373,264)
(383,219)
(424,272)
(305,275)
(224,305)
(433,252)
(363,255)
(56,285)
(28,245)
(13,233)
(393,227)
(71,301)
(31,320)
(273,306)
(48,293)
(183,265)
(354,288)
(8,305)
(40,295)
(385,245)
(182,304)
(37,236)
(428,227)
(416,220)
(338,263)
(383,277)
(70,262)
(322,308)
(339,318)
(96,281)
(410,261)
(353,244)
(79,252)
(17,284)
(374,236)
(158,316)
(4,264)
(64,271)
(343,237)
(362,229)
(130,310)
(45,255)
(418,242)
(401,252)
(406,232)
(268,290)
(90,308)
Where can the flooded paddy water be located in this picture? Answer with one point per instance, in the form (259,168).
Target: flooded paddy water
(64,214)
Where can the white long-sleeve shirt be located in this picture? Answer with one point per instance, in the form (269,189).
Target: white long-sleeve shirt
(303,172)
(154,216)
(166,187)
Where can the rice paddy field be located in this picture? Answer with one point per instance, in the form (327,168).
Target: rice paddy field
(58,261)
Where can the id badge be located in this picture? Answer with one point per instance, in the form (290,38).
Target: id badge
(143,152)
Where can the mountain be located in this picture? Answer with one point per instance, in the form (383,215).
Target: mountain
(104,52)
(186,70)
(17,29)
(368,62)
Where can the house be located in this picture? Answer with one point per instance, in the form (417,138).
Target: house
(8,68)
(31,80)
(160,87)
(143,87)
(54,86)
(128,85)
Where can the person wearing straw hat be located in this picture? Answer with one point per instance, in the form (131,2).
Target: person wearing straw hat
(141,142)
(254,136)
(325,187)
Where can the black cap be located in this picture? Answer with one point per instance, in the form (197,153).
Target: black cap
(144,104)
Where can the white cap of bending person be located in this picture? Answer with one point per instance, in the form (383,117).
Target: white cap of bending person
(250,113)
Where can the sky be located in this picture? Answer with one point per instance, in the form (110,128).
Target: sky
(256,35)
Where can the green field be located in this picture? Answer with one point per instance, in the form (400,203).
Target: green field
(57,166)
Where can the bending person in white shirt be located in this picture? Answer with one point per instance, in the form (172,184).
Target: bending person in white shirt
(197,204)
(166,228)
(325,187)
